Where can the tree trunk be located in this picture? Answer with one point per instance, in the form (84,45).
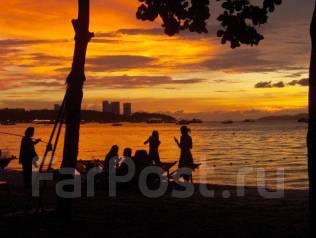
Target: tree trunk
(74,95)
(311,136)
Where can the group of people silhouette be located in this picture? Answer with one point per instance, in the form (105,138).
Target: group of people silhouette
(141,158)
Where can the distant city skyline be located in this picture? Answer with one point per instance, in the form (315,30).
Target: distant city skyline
(114,107)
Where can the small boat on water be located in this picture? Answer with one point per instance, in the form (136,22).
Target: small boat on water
(8,123)
(249,121)
(42,122)
(183,122)
(117,124)
(227,122)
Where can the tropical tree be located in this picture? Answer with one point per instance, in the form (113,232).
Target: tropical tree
(239,20)
(74,95)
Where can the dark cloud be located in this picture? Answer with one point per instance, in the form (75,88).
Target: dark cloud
(269,84)
(127,82)
(57,82)
(212,29)
(243,60)
(140,31)
(106,34)
(295,75)
(225,81)
(301,82)
(281,84)
(19,42)
(53,84)
(42,59)
(278,85)
(39,83)
(119,62)
(22,42)
(264,85)
(104,41)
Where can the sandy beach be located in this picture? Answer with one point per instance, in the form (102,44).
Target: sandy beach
(130,214)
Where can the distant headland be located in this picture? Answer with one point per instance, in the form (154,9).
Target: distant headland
(45,116)
(302,117)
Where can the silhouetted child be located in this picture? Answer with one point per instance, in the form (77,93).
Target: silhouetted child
(28,155)
(154,143)
(185,145)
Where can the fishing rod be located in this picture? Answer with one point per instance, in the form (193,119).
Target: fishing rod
(12,134)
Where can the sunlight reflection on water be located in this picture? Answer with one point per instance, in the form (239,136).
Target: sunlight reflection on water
(222,148)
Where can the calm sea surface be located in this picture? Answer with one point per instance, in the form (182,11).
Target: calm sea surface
(223,150)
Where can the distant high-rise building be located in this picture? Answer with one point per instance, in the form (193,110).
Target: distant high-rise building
(57,107)
(127,109)
(106,107)
(115,108)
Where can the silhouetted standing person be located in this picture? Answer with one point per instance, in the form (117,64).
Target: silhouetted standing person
(185,145)
(28,155)
(154,144)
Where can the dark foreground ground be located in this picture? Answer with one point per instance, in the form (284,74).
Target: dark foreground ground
(130,214)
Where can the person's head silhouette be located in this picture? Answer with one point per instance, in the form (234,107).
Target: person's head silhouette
(155,135)
(184,130)
(114,150)
(127,152)
(29,132)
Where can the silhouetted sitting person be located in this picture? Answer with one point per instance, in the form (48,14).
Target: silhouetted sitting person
(127,153)
(185,145)
(141,159)
(28,155)
(154,143)
(122,168)
(113,154)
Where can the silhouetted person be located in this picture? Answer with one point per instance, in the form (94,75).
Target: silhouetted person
(28,155)
(141,161)
(127,153)
(123,167)
(154,143)
(113,154)
(185,145)
(141,158)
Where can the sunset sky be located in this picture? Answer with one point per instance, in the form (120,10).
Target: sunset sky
(134,61)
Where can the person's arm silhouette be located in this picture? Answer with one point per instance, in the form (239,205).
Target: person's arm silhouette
(147,141)
(37,141)
(177,141)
